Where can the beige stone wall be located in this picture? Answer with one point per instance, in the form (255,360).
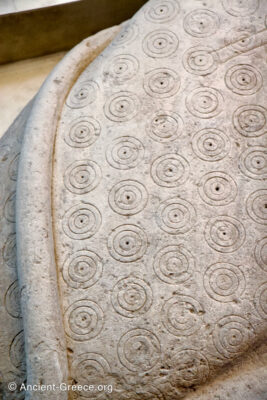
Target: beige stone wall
(10,6)
(19,82)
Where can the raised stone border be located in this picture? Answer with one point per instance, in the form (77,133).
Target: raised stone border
(43,326)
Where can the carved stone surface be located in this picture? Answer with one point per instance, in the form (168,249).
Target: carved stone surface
(141,211)
(170,199)
(12,349)
(12,356)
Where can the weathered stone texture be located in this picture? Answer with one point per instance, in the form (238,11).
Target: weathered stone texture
(143,181)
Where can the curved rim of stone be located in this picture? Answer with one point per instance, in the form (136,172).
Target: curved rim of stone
(42,318)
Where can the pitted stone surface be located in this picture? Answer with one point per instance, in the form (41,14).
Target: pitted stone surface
(141,213)
(12,355)
(160,201)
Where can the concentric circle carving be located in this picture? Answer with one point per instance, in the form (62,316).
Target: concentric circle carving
(160,43)
(13,168)
(232,336)
(243,79)
(170,170)
(201,23)
(165,126)
(83,132)
(125,152)
(82,94)
(250,120)
(17,353)
(128,197)
(89,367)
(181,315)
(132,297)
(81,221)
(253,162)
(12,300)
(260,300)
(161,83)
(217,188)
(9,208)
(224,282)
(122,68)
(257,206)
(176,216)
(84,320)
(82,269)
(82,176)
(174,264)
(200,60)
(211,144)
(127,243)
(139,350)
(122,106)
(204,102)
(9,251)
(192,367)
(261,253)
(242,38)
(225,234)
(127,35)
(240,8)
(162,11)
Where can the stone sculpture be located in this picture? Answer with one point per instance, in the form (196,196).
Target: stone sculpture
(141,212)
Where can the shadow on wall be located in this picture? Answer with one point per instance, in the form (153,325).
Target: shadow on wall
(49,30)
(19,83)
